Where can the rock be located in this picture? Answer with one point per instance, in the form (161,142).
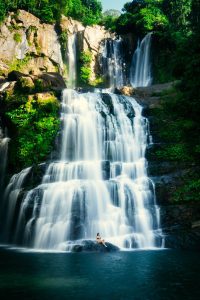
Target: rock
(26,83)
(70,26)
(179,214)
(181,226)
(53,80)
(27,19)
(41,98)
(89,39)
(15,75)
(93,246)
(127,91)
(185,239)
(93,36)
(153,90)
(45,81)
(196,224)
(33,41)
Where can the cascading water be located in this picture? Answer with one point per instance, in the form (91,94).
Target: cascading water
(3,156)
(113,63)
(140,71)
(72,61)
(100,182)
(11,196)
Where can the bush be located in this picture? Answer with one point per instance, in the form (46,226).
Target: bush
(36,124)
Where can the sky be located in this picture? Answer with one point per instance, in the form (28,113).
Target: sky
(113,4)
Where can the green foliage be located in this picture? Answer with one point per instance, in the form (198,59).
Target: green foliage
(17,37)
(151,18)
(36,124)
(19,64)
(85,67)
(49,11)
(142,16)
(63,42)
(189,191)
(85,71)
(3,10)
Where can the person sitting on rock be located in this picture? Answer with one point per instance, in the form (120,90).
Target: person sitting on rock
(99,240)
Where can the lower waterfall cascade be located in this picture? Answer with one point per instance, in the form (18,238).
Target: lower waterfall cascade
(100,183)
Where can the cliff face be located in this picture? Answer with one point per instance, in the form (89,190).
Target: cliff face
(89,39)
(32,47)
(28,45)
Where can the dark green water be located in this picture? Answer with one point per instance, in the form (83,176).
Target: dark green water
(139,275)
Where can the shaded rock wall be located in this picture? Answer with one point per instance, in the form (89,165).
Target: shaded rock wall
(180,221)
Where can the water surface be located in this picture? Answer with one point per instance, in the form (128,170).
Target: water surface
(125,275)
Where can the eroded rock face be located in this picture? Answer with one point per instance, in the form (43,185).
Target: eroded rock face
(28,39)
(89,38)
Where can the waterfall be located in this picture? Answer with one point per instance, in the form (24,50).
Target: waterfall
(11,197)
(99,183)
(3,156)
(113,63)
(72,61)
(140,71)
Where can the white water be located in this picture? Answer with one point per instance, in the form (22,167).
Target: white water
(113,63)
(3,156)
(72,61)
(11,195)
(100,183)
(140,71)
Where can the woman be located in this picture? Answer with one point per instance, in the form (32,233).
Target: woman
(99,240)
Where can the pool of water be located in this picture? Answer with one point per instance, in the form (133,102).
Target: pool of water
(137,275)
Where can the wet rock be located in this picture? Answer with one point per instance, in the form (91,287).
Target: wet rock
(108,101)
(181,226)
(184,239)
(127,91)
(93,246)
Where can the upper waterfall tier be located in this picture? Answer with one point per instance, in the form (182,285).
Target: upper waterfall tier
(113,63)
(140,71)
(100,183)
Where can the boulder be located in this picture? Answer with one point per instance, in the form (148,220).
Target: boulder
(127,91)
(45,81)
(93,246)
(53,80)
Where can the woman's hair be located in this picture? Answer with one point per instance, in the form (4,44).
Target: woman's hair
(97,233)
